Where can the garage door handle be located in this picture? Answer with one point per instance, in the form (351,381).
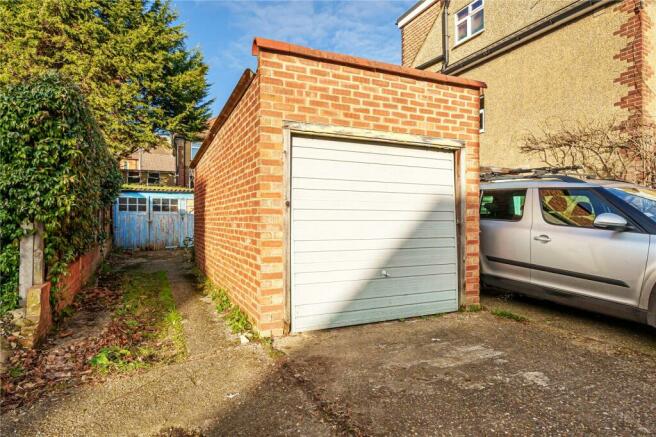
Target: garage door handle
(543,238)
(384,273)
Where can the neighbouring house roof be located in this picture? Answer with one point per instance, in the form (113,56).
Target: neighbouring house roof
(158,159)
(413,12)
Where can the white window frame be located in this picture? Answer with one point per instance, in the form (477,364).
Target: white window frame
(195,145)
(468,20)
(481,114)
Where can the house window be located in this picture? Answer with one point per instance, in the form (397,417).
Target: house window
(195,146)
(133,204)
(153,178)
(481,115)
(134,177)
(470,21)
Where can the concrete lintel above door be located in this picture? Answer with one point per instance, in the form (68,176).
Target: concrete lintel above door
(372,135)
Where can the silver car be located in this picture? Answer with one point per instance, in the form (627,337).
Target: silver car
(590,244)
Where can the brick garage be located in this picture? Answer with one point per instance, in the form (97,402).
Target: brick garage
(333,190)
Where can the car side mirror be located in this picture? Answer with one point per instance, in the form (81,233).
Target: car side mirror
(610,221)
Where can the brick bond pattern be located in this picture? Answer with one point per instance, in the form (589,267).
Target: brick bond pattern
(78,273)
(636,53)
(228,206)
(38,309)
(239,181)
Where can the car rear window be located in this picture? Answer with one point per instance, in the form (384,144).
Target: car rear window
(503,204)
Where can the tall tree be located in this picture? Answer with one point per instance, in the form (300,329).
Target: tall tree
(128,57)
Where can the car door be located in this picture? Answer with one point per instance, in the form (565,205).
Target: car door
(505,234)
(569,254)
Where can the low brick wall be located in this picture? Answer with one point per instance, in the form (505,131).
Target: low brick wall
(79,272)
(38,311)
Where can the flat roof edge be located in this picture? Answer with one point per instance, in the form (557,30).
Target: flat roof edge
(414,11)
(260,44)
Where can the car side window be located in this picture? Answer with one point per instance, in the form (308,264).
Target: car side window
(573,207)
(503,205)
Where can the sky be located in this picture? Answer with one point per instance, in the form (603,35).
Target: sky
(224,32)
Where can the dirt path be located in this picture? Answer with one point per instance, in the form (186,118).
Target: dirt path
(199,395)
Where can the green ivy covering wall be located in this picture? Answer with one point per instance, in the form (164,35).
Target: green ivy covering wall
(55,168)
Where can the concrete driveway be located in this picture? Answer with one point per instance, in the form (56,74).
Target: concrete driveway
(561,372)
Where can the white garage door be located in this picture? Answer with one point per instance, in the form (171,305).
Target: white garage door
(373,233)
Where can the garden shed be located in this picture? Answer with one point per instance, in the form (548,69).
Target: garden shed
(333,190)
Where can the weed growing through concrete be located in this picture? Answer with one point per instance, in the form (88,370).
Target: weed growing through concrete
(235,318)
(470,308)
(220,298)
(508,315)
(238,321)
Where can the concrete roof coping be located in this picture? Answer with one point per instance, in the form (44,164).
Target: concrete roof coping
(260,44)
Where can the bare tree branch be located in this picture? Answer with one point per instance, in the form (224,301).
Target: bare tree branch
(611,150)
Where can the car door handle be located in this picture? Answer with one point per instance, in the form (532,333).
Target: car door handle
(543,238)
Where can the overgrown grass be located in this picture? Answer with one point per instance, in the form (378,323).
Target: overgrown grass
(115,358)
(151,324)
(505,314)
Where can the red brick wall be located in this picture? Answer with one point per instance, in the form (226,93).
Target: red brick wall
(415,32)
(298,89)
(239,195)
(79,272)
(637,54)
(228,205)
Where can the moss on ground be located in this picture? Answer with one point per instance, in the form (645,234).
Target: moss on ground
(505,314)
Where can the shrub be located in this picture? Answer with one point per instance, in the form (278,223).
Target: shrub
(55,168)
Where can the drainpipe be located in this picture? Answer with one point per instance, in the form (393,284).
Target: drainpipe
(445,35)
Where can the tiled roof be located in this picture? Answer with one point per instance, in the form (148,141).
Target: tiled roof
(158,159)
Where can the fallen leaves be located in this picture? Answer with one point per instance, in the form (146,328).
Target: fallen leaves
(62,361)
(125,325)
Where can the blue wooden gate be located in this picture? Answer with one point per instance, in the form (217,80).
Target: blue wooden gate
(153,220)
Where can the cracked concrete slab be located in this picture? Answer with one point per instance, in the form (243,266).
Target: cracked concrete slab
(473,373)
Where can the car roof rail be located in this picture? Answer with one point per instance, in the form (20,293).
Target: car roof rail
(558,173)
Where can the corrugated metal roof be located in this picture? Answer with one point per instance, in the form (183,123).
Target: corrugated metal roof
(157,188)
